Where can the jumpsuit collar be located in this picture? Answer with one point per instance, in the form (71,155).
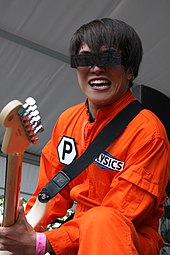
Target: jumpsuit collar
(112,109)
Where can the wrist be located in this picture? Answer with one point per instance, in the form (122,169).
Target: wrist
(40,243)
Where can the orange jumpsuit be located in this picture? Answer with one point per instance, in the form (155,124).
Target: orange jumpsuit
(119,196)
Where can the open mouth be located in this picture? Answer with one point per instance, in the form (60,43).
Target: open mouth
(100,84)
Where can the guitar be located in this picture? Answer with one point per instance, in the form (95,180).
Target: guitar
(22,123)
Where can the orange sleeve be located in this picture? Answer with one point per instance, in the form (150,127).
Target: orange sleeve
(139,189)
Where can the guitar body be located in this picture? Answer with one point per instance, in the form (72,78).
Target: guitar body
(22,123)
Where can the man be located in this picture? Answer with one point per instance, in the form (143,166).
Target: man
(120,195)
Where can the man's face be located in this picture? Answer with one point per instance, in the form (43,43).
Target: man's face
(102,85)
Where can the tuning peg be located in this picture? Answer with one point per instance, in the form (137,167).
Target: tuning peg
(39,129)
(26,116)
(29,101)
(35,140)
(36,129)
(29,105)
(31,108)
(31,119)
(34,121)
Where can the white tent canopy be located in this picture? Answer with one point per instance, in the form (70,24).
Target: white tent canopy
(34,57)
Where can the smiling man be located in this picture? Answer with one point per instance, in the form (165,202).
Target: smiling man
(120,195)
(102,84)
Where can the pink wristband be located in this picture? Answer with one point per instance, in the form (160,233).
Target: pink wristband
(40,243)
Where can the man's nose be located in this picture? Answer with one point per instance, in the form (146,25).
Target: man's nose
(97,69)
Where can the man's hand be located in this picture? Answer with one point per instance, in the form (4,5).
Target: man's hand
(19,238)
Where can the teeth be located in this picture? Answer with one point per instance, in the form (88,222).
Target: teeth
(98,82)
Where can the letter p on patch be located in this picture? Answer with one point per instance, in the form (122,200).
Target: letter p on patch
(67,151)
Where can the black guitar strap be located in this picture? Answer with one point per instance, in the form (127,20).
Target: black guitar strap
(109,133)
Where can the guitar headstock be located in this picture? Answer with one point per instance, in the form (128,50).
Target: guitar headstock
(22,123)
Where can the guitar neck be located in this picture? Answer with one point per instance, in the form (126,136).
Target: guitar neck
(12,188)
(22,123)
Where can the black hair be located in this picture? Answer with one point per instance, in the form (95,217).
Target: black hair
(111,33)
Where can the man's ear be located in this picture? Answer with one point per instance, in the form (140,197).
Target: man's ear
(130,73)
